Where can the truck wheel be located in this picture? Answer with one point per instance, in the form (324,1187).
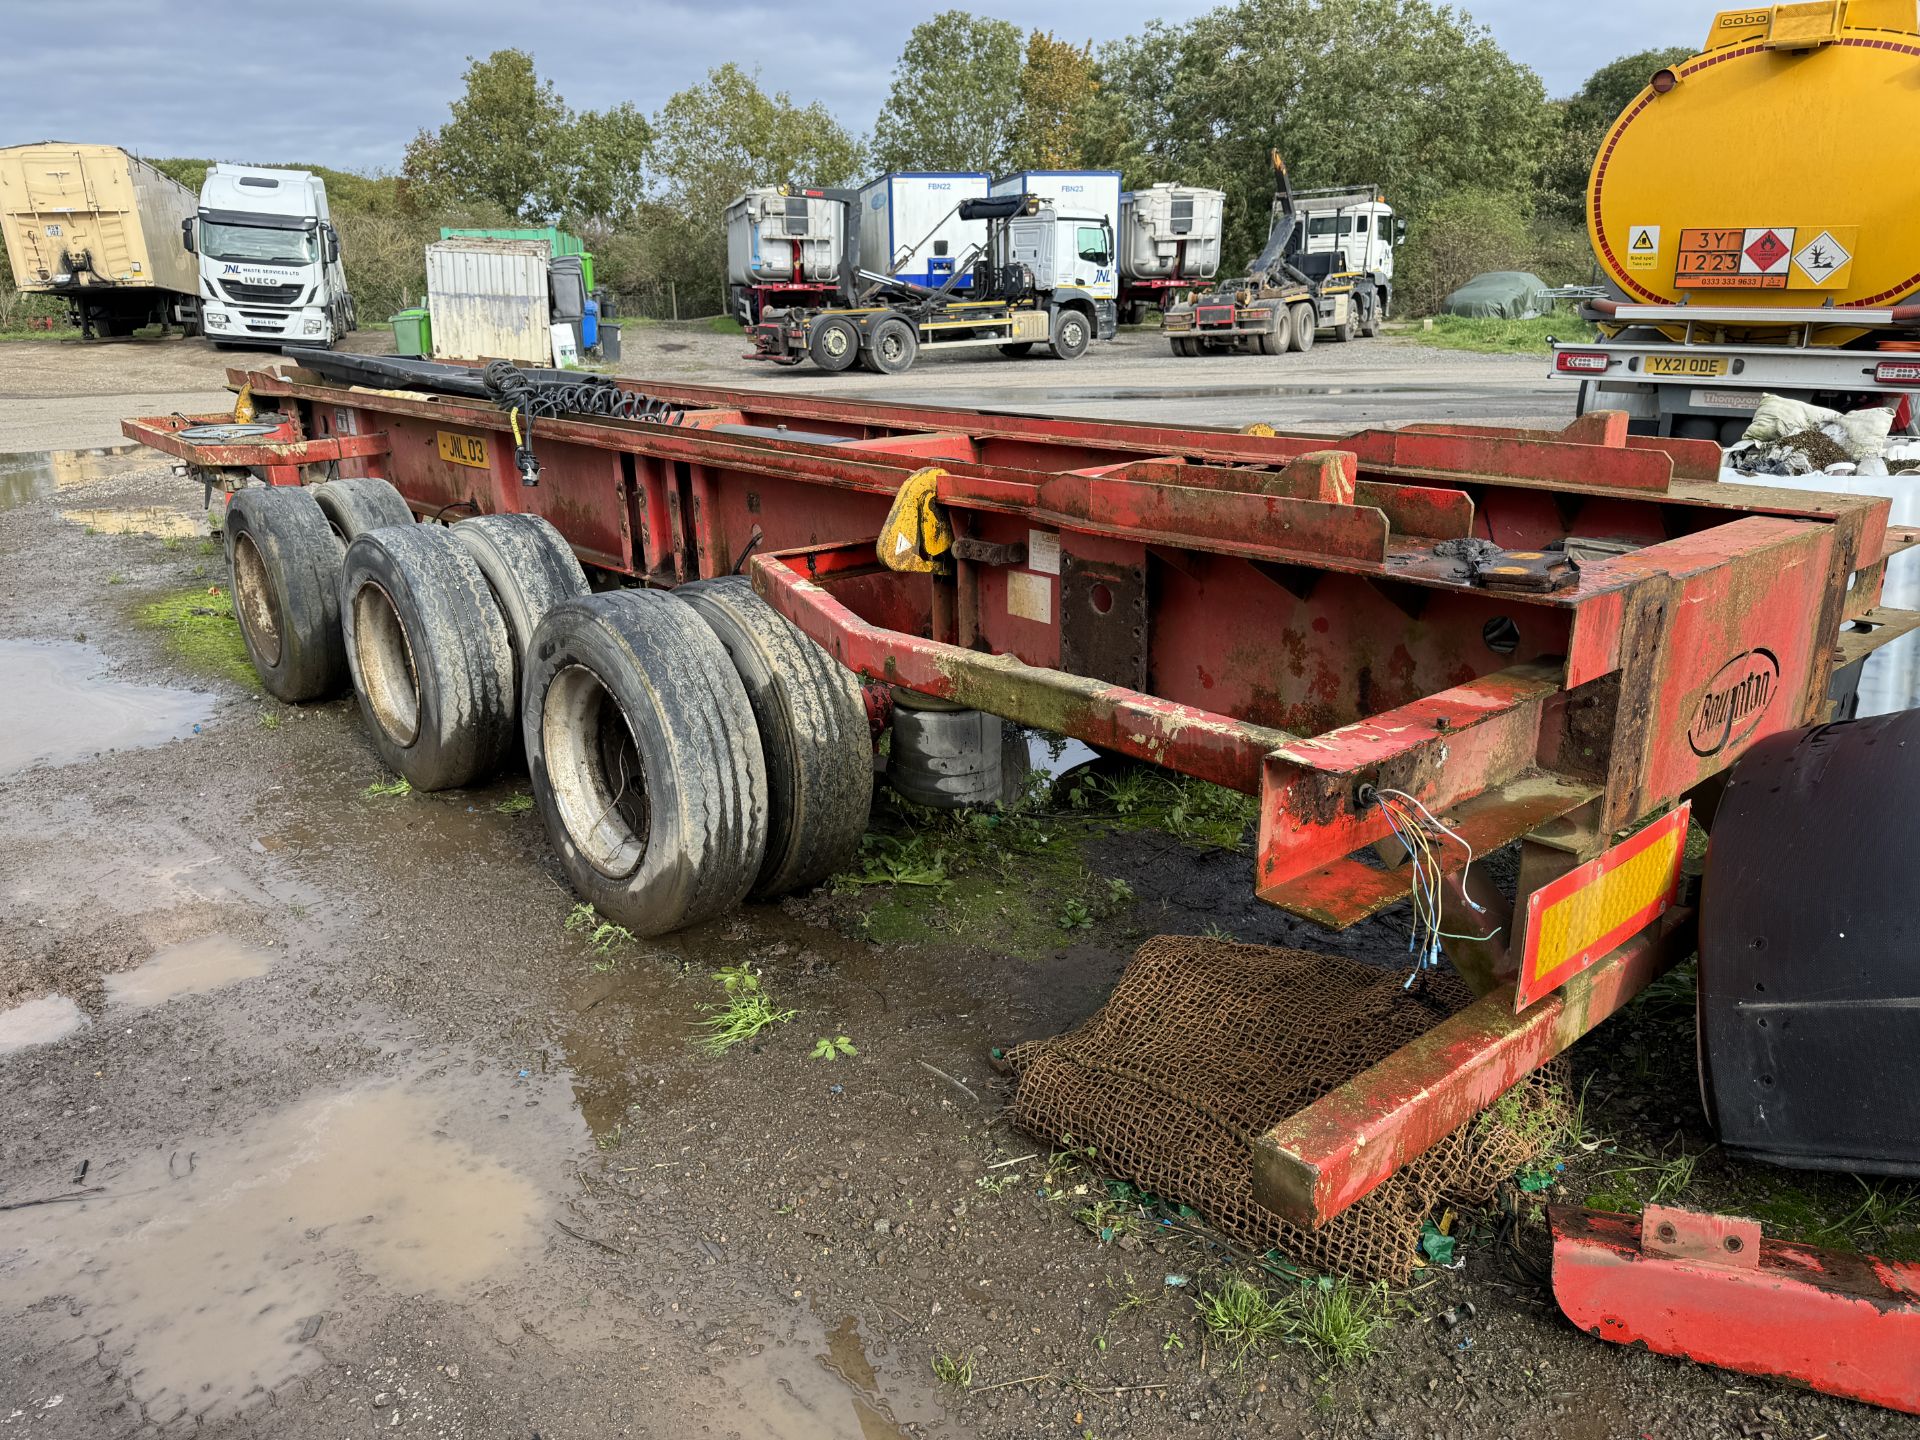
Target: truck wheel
(285,580)
(1276,341)
(1304,325)
(637,731)
(835,344)
(1349,328)
(1186,345)
(894,346)
(529,569)
(359,504)
(1071,335)
(431,662)
(1017,350)
(814,736)
(1370,322)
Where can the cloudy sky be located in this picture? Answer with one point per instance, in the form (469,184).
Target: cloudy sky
(347,82)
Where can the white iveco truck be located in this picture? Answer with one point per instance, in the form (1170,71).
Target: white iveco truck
(270,271)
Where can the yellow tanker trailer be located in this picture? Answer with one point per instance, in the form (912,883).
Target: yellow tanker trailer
(1756,212)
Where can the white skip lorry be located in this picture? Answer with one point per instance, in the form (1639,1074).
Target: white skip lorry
(270,271)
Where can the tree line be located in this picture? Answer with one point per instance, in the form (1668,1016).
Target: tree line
(1411,95)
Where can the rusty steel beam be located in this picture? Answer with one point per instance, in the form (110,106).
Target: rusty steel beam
(1319,1161)
(1211,747)
(1711,1288)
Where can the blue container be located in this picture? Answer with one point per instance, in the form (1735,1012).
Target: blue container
(590,323)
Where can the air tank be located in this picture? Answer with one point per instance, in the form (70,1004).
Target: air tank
(1170,232)
(777,238)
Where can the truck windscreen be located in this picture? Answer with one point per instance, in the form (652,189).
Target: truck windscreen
(252,242)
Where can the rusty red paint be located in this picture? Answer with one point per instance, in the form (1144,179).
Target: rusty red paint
(1713,1289)
(1319,1161)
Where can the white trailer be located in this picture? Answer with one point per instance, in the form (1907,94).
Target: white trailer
(1169,244)
(784,247)
(910,225)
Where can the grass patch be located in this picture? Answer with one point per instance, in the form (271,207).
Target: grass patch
(746,1011)
(723,325)
(514,805)
(202,633)
(269,719)
(1333,1320)
(957,1373)
(1489,336)
(387,789)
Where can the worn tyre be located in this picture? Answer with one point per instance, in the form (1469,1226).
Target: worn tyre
(529,569)
(1349,328)
(1276,341)
(1370,322)
(640,745)
(359,504)
(835,344)
(1304,325)
(894,346)
(1072,333)
(429,653)
(814,736)
(1185,346)
(284,575)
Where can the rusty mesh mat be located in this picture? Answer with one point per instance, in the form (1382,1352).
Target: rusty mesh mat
(1205,1044)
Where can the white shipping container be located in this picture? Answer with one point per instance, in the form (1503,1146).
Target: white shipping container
(909,226)
(489,300)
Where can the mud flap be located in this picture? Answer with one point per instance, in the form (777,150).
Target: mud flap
(1711,1289)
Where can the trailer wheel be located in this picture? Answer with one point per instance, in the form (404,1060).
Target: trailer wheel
(637,728)
(431,661)
(814,736)
(1071,335)
(529,569)
(894,346)
(835,344)
(1017,350)
(285,580)
(358,504)
(1302,331)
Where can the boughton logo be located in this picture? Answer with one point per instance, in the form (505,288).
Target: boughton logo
(1736,698)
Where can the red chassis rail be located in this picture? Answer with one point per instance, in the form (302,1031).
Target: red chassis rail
(1709,1287)
(1305,619)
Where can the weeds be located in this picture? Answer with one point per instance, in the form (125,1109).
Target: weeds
(889,861)
(1109,1220)
(832,1049)
(1243,1317)
(747,1011)
(387,789)
(949,1371)
(603,936)
(514,805)
(269,720)
(1494,336)
(996,1184)
(1074,915)
(1334,1320)
(1220,933)
(170,542)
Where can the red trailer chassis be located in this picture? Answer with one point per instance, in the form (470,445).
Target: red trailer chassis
(1308,620)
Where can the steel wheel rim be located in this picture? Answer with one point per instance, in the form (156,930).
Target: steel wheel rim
(384,658)
(594,772)
(254,601)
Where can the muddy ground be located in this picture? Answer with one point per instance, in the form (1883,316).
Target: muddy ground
(319,1121)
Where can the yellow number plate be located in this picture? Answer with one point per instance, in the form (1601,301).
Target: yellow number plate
(463,449)
(1693,366)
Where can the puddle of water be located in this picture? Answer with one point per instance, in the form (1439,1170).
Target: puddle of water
(42,473)
(57,707)
(190,968)
(204,1271)
(823,1386)
(38,1022)
(160,521)
(1057,754)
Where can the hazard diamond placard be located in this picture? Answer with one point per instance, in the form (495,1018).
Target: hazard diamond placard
(1824,260)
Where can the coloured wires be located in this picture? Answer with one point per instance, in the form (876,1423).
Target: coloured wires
(1424,838)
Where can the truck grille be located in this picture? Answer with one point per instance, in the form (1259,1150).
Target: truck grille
(263,294)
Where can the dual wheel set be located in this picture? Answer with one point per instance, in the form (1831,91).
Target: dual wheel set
(687,750)
(1295,333)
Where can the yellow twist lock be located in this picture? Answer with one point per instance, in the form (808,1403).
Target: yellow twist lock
(916,537)
(1260,428)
